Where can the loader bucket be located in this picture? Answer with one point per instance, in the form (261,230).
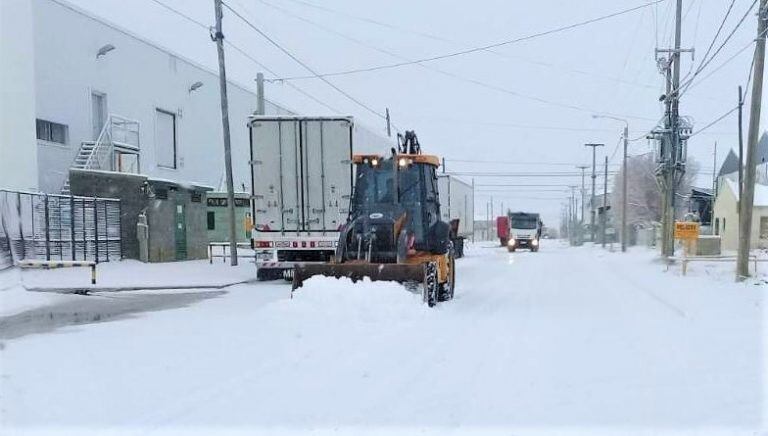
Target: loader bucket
(394,272)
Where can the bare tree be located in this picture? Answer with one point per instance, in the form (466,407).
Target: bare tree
(644,193)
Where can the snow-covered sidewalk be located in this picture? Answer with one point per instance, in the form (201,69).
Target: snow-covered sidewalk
(18,288)
(567,340)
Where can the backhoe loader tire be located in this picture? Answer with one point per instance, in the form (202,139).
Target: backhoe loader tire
(447,288)
(431,286)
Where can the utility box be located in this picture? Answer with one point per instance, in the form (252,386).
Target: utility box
(175,213)
(708,245)
(217,216)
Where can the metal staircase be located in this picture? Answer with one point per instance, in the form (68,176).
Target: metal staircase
(120,137)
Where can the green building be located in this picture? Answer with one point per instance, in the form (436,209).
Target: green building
(218,228)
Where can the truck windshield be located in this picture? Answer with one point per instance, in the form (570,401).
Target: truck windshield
(524,222)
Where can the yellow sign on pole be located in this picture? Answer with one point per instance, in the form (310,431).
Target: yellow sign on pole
(686,230)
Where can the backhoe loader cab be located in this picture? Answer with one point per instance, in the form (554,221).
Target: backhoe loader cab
(394,231)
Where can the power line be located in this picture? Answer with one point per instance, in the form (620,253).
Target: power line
(522,174)
(535,185)
(442,39)
(717,34)
(444,72)
(480,48)
(243,53)
(303,64)
(705,63)
(506,162)
(723,64)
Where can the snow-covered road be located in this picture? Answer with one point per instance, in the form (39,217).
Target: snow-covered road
(567,338)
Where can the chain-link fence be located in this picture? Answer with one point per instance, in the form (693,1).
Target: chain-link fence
(58,227)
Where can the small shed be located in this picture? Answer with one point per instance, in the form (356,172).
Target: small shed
(175,212)
(217,216)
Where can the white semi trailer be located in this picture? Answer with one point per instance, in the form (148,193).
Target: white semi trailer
(457,201)
(301,186)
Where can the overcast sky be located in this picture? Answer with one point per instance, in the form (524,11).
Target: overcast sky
(518,106)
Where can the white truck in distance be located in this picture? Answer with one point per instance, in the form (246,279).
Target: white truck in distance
(524,230)
(301,185)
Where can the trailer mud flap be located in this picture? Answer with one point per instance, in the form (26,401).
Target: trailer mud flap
(394,272)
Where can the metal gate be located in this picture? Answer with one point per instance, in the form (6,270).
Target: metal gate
(58,227)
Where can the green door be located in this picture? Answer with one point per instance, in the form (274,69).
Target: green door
(181,232)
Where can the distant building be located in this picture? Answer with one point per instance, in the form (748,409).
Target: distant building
(81,92)
(217,216)
(78,93)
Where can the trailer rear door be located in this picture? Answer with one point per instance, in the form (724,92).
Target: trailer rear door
(327,173)
(302,173)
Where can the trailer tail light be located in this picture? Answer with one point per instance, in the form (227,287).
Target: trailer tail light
(263,244)
(295,244)
(311,244)
(303,244)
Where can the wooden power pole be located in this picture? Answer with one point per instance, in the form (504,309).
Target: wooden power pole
(218,37)
(748,194)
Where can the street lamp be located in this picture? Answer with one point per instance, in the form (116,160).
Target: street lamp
(623,180)
(195,86)
(104,50)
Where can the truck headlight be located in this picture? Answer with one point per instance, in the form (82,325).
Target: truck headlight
(511,242)
(535,242)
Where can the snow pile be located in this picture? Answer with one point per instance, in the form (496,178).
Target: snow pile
(365,301)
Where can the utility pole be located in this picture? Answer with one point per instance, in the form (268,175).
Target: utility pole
(493,219)
(676,146)
(748,197)
(389,123)
(583,190)
(260,94)
(218,37)
(672,158)
(741,144)
(605,201)
(624,199)
(714,190)
(625,136)
(583,203)
(573,235)
(592,199)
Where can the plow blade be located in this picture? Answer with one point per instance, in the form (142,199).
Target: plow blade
(393,272)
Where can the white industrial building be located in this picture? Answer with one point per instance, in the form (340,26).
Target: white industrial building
(66,74)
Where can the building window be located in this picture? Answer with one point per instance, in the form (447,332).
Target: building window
(723,224)
(211,220)
(52,132)
(197,197)
(763,227)
(717,226)
(165,139)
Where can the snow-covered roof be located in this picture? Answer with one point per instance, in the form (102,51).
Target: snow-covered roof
(761,192)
